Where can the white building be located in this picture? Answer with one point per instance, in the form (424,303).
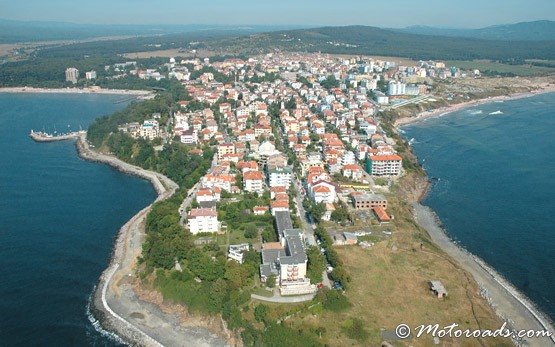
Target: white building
(253,182)
(236,252)
(72,75)
(189,137)
(280,176)
(90,75)
(203,220)
(384,165)
(396,88)
(150,129)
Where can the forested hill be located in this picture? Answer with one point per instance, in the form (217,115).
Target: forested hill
(541,30)
(376,41)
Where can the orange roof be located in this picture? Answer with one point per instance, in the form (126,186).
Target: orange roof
(282,196)
(278,189)
(253,175)
(280,204)
(203,212)
(260,208)
(390,157)
(352,167)
(321,189)
(381,214)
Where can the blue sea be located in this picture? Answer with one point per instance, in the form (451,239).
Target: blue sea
(59,216)
(493,175)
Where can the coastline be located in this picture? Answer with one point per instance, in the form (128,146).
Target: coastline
(508,302)
(75,91)
(115,304)
(441,111)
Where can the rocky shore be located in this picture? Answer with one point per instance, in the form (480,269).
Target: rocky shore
(118,303)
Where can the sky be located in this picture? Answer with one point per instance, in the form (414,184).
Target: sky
(382,13)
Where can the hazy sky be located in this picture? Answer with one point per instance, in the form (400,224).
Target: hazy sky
(384,13)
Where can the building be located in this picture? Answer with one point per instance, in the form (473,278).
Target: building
(236,252)
(384,165)
(280,176)
(72,75)
(90,75)
(253,182)
(226,148)
(369,201)
(150,129)
(438,289)
(203,220)
(396,88)
(189,137)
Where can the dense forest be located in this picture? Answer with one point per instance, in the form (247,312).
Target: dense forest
(375,41)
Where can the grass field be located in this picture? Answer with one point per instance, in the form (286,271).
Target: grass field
(483,65)
(390,286)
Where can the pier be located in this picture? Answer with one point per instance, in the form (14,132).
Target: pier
(40,136)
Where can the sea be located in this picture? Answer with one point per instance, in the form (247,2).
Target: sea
(492,169)
(59,216)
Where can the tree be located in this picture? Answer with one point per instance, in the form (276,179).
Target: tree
(261,313)
(271,281)
(333,300)
(316,264)
(251,231)
(355,329)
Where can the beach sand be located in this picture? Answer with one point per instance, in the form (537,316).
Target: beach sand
(548,88)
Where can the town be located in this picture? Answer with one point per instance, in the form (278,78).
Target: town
(297,145)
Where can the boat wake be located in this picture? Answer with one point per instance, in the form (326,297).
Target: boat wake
(496,112)
(473,112)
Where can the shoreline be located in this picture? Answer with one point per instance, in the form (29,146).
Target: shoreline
(507,301)
(444,110)
(16,90)
(114,303)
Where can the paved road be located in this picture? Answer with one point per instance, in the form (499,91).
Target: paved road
(308,224)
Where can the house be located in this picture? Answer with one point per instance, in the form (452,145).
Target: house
(253,182)
(208,195)
(323,191)
(438,289)
(279,206)
(203,220)
(236,252)
(189,137)
(353,171)
(260,210)
(381,215)
(225,148)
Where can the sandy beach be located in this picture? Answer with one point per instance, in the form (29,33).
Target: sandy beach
(75,91)
(116,304)
(549,88)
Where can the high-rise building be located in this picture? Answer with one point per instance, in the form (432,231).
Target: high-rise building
(72,75)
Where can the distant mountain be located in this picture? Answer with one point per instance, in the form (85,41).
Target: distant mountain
(12,31)
(542,30)
(376,41)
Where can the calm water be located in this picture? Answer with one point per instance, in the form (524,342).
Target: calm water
(494,187)
(58,219)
